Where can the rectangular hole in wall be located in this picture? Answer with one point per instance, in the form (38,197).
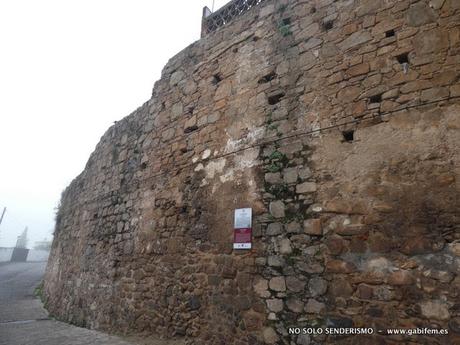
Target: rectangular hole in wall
(390,33)
(375,98)
(275,98)
(348,136)
(403,58)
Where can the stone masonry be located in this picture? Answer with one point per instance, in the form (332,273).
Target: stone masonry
(338,122)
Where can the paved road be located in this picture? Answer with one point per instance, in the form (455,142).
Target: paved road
(23,320)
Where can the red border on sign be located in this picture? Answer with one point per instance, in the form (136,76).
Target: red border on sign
(243,235)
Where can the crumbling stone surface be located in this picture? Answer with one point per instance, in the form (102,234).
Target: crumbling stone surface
(338,123)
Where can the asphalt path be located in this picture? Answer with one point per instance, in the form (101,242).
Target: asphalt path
(24,321)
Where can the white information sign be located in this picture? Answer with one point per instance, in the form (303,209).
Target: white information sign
(243,218)
(243,229)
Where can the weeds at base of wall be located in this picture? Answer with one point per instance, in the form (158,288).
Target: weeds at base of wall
(38,292)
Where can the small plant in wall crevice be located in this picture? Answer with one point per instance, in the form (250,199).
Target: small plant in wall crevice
(284,28)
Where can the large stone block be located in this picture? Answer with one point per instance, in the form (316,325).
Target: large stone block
(277,284)
(420,14)
(277,209)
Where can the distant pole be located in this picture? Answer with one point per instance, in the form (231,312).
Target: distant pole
(3,213)
(213,1)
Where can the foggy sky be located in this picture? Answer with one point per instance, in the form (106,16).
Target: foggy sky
(68,70)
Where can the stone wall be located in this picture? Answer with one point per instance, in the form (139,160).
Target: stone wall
(338,123)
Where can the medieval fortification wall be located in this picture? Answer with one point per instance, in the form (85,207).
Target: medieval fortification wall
(338,122)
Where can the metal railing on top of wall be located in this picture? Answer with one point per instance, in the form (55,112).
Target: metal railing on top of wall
(213,21)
